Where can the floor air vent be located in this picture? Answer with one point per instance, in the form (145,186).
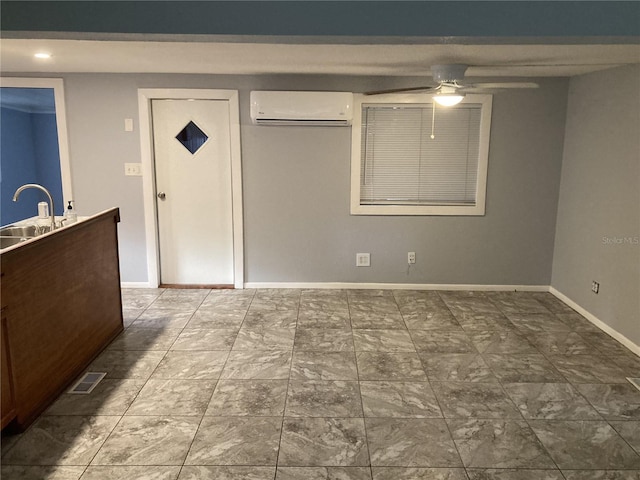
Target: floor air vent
(87,383)
(635,382)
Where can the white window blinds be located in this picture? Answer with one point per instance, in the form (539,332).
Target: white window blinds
(401,164)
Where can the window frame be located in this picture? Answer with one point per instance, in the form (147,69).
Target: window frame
(411,98)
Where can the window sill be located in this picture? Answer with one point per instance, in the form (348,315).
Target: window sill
(451,210)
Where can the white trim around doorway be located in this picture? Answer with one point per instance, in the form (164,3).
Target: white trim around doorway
(145,95)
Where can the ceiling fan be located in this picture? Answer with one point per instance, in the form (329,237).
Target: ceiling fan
(450,90)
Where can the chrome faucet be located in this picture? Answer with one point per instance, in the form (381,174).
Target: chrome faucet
(39,187)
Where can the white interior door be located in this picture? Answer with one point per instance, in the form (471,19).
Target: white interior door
(193,191)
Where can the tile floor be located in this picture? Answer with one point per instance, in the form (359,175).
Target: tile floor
(345,385)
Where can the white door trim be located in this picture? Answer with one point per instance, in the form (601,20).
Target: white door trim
(57,84)
(145,95)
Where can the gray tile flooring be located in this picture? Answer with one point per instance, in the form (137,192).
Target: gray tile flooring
(345,385)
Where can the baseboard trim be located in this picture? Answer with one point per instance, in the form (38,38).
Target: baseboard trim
(596,321)
(397,286)
(135,285)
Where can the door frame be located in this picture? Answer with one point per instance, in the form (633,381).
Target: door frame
(145,96)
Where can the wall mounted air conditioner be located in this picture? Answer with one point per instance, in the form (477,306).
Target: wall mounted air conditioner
(302,108)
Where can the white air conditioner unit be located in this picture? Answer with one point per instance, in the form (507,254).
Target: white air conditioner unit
(302,108)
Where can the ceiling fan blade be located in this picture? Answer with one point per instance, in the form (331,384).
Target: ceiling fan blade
(498,85)
(399,90)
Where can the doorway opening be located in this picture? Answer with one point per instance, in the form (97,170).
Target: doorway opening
(34,145)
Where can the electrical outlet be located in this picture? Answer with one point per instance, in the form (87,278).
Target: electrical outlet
(133,169)
(411,257)
(595,287)
(363,260)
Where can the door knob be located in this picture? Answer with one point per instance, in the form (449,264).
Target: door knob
(161,195)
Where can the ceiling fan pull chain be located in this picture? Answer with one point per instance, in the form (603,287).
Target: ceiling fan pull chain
(433,121)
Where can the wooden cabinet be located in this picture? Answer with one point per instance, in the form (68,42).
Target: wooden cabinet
(61,306)
(7,408)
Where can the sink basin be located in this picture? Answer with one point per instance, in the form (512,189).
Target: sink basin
(6,242)
(13,234)
(12,231)
(24,231)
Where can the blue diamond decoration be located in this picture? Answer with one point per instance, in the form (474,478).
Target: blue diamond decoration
(192,137)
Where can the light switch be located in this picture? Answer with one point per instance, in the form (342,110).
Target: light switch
(128,124)
(133,169)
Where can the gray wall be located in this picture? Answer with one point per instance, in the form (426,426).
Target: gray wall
(296,188)
(598,227)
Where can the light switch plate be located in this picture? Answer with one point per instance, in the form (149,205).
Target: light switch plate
(133,169)
(128,124)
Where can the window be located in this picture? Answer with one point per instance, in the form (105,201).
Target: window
(397,168)
(191,137)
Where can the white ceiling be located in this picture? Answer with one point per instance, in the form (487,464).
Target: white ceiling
(16,56)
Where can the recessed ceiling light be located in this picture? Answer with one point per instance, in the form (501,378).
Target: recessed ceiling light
(42,55)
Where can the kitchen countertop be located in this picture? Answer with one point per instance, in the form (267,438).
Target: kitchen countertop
(45,221)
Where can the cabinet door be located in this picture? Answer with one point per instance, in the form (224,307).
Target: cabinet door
(7,407)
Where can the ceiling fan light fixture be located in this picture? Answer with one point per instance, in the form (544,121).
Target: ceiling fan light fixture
(448,99)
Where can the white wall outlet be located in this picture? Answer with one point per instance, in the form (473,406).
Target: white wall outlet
(411,258)
(595,287)
(133,169)
(363,259)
